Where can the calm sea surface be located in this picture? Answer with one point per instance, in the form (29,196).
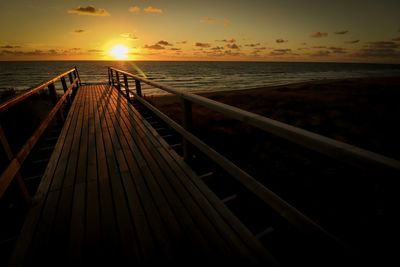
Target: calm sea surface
(192,76)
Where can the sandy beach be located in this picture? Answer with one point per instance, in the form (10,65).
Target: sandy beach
(364,112)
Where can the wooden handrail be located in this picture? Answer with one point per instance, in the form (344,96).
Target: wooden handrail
(13,168)
(327,146)
(19,98)
(319,143)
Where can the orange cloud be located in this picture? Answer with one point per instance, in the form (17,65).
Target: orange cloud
(319,34)
(89,11)
(153,10)
(134,9)
(203,45)
(225,22)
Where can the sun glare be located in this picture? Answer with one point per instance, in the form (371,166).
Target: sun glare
(119,51)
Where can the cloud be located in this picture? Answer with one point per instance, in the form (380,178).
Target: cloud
(89,11)
(337,50)
(95,51)
(352,42)
(79,31)
(227,40)
(154,47)
(183,42)
(252,45)
(217,48)
(396,39)
(322,53)
(225,22)
(303,43)
(134,9)
(153,10)
(341,32)
(381,49)
(175,49)
(232,46)
(281,52)
(319,47)
(202,45)
(10,46)
(280,41)
(128,35)
(319,34)
(164,43)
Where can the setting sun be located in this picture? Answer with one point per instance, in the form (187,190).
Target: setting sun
(119,52)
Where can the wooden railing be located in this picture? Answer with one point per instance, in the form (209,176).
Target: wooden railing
(16,160)
(329,147)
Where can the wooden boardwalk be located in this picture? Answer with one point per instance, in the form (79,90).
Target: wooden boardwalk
(114,192)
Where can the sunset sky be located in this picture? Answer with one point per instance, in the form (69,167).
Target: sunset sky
(251,30)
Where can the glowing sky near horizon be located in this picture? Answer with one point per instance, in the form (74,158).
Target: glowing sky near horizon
(259,30)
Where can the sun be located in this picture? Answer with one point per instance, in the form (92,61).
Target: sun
(119,51)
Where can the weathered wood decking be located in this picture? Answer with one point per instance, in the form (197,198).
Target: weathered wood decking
(114,192)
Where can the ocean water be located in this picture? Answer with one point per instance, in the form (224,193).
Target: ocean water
(192,76)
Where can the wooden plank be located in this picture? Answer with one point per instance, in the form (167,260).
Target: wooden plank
(191,206)
(247,234)
(162,218)
(54,239)
(109,246)
(27,232)
(92,230)
(77,228)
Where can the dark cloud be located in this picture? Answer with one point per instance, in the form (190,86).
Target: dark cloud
(232,46)
(381,49)
(337,50)
(89,11)
(322,53)
(175,49)
(203,45)
(303,43)
(227,40)
(79,31)
(10,46)
(281,52)
(396,39)
(341,32)
(252,45)
(217,48)
(164,43)
(95,51)
(231,53)
(154,47)
(319,47)
(352,42)
(319,34)
(280,40)
(183,42)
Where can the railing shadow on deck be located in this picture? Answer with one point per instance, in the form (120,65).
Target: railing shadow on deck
(337,150)
(16,160)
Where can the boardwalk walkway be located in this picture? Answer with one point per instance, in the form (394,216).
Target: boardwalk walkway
(114,192)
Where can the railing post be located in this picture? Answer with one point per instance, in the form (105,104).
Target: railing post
(109,76)
(65,88)
(76,74)
(138,88)
(53,98)
(10,156)
(187,123)
(71,81)
(112,77)
(126,87)
(118,82)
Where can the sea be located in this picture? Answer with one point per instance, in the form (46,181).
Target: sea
(191,76)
